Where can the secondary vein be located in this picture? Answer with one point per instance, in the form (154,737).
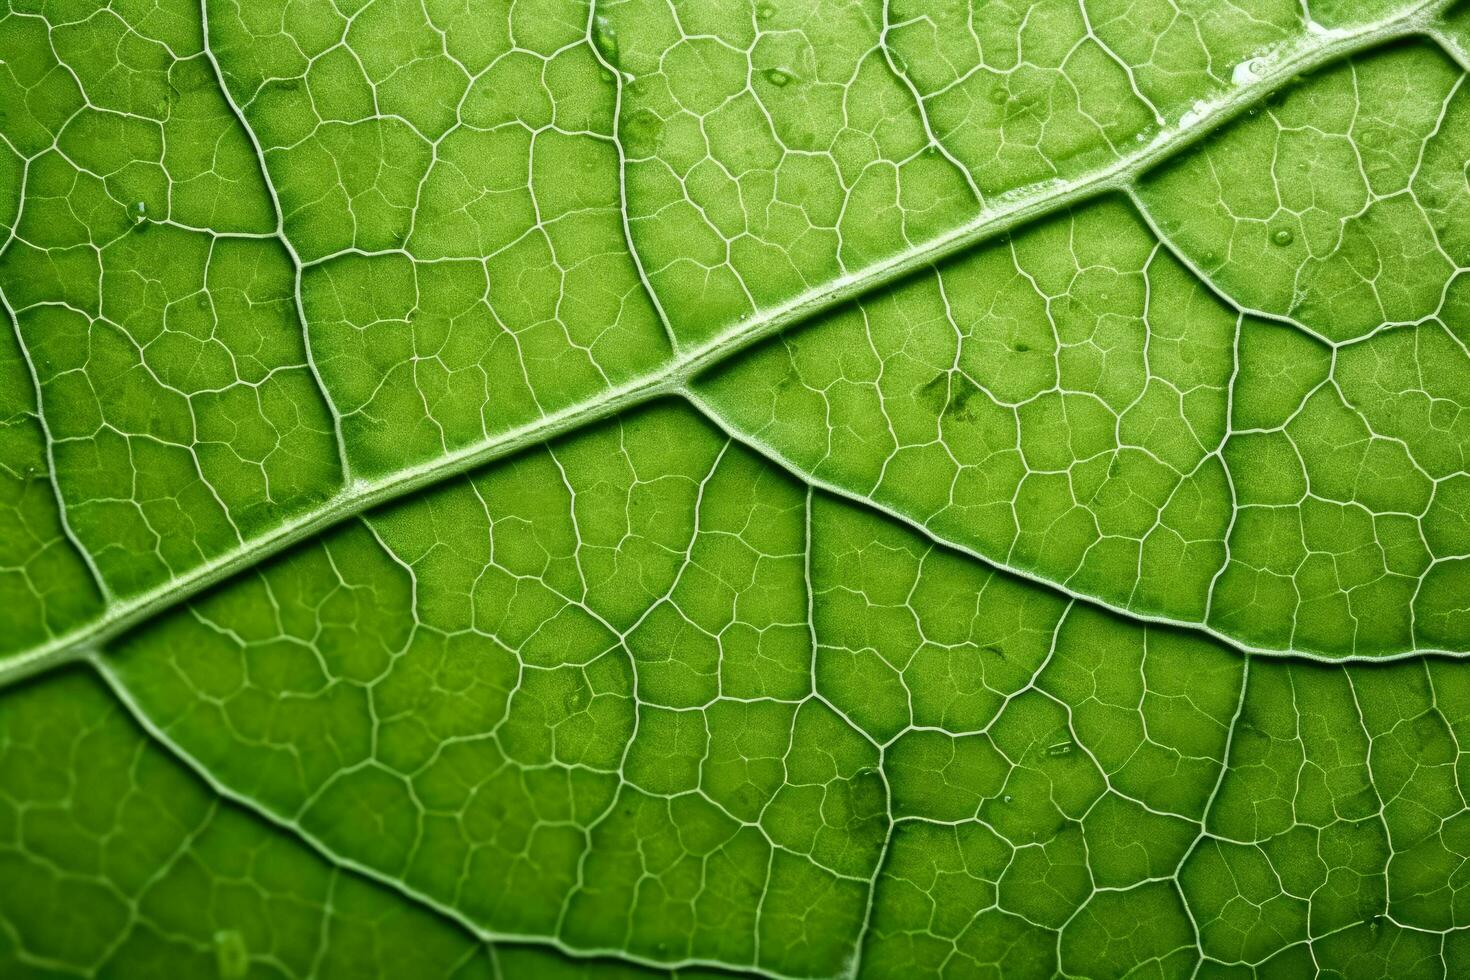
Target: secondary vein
(1003,213)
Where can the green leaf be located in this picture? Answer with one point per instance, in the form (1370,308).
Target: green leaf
(806,488)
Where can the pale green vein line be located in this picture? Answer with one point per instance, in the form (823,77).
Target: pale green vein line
(1003,214)
(776,458)
(278,212)
(293,828)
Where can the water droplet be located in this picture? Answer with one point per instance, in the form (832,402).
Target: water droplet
(1198,110)
(576,699)
(139,213)
(765,11)
(1282,236)
(1248,71)
(1007,798)
(778,77)
(1060,748)
(644,129)
(231,958)
(999,95)
(1021,348)
(1196,113)
(605,36)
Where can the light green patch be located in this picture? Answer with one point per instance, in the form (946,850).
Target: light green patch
(834,488)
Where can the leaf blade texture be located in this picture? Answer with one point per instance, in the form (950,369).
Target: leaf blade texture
(806,489)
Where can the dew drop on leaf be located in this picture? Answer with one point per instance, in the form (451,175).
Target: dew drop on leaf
(231,957)
(576,699)
(778,77)
(644,129)
(605,36)
(1282,236)
(1248,71)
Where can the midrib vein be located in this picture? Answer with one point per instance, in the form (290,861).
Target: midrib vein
(1004,213)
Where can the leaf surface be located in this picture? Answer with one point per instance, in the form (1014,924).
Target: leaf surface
(811,489)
